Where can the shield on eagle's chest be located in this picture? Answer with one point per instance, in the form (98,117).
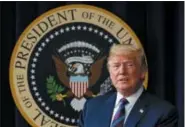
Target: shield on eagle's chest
(79,85)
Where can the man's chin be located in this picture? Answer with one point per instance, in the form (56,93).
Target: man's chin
(123,87)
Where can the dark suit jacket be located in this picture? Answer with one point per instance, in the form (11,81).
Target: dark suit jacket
(157,113)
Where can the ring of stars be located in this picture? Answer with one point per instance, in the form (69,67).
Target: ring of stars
(37,55)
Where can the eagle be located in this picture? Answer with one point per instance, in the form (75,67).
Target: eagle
(78,68)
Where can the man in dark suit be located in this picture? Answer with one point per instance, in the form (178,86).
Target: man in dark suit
(130,105)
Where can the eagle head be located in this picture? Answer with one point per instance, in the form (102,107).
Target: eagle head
(77,68)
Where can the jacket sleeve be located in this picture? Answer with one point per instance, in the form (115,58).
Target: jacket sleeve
(81,122)
(170,119)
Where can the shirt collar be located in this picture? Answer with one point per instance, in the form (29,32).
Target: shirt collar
(132,98)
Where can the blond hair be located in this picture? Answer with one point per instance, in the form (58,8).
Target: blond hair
(123,49)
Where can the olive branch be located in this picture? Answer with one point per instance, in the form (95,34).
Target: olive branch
(55,90)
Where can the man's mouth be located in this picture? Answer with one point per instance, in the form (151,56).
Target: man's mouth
(123,79)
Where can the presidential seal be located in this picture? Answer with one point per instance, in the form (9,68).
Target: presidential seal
(59,62)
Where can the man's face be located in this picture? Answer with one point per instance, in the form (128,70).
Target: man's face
(125,72)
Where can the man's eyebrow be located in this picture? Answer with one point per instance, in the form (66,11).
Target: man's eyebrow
(115,63)
(129,61)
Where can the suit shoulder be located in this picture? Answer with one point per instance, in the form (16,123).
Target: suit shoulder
(101,98)
(157,102)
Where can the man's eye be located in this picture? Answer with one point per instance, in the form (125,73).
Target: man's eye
(115,66)
(130,64)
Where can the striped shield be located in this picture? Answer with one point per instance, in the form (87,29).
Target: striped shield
(79,85)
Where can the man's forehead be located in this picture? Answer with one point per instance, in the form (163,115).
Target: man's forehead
(121,61)
(121,57)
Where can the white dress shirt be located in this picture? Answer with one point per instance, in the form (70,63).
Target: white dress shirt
(128,107)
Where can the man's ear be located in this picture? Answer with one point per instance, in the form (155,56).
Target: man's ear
(143,73)
(108,67)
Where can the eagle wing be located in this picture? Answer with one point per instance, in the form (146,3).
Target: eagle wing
(61,70)
(96,71)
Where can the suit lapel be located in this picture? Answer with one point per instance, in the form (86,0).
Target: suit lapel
(138,111)
(107,110)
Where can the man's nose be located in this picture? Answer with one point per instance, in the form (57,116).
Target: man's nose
(122,69)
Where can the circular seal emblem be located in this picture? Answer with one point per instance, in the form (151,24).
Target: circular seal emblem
(59,62)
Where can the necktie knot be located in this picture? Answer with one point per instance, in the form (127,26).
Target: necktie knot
(123,101)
